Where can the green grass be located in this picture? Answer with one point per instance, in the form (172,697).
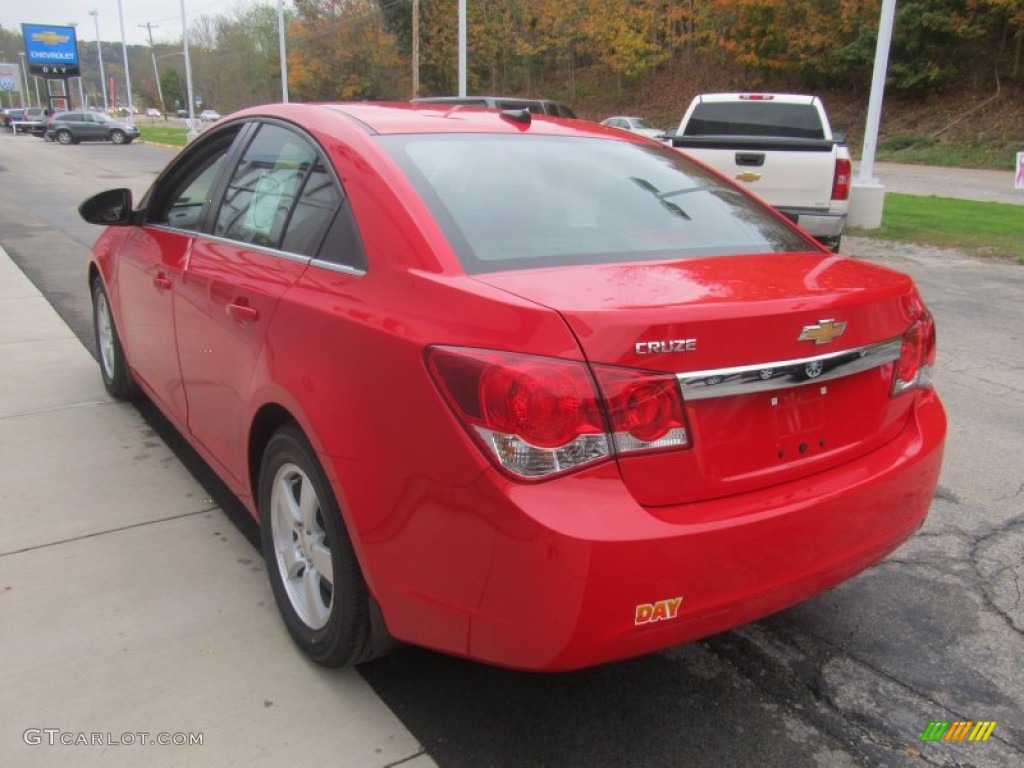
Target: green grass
(163,134)
(993,152)
(983,229)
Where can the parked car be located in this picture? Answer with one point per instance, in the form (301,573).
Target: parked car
(10,115)
(529,392)
(73,127)
(182,113)
(153,112)
(33,121)
(536,106)
(635,125)
(209,116)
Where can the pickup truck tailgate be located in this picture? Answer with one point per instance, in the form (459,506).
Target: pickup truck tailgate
(783,175)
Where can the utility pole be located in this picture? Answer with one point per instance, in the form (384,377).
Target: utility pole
(415,48)
(156,72)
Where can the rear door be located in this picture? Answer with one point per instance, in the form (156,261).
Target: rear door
(272,214)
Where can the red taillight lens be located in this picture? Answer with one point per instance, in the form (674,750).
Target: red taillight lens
(645,410)
(535,416)
(547,405)
(541,416)
(841,180)
(917,356)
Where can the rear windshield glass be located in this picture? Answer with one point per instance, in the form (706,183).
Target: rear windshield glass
(755,118)
(519,202)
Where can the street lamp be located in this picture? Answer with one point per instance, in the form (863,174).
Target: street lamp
(99,54)
(192,132)
(24,88)
(127,76)
(284,55)
(81,90)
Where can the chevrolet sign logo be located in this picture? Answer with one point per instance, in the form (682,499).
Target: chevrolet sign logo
(750,176)
(49,37)
(823,332)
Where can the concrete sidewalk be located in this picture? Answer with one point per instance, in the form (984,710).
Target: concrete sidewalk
(129,604)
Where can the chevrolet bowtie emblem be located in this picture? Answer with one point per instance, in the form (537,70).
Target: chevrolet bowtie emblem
(823,332)
(748,176)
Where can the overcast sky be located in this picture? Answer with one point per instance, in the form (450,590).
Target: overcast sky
(164,15)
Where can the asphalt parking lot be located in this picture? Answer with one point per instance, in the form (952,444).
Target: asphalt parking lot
(132,601)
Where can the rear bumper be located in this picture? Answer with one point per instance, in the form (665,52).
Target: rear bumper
(556,576)
(816,223)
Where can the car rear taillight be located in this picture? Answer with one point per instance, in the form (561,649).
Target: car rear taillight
(841,180)
(756,96)
(645,410)
(541,416)
(917,356)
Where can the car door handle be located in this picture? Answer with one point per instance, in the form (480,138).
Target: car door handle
(242,312)
(162,282)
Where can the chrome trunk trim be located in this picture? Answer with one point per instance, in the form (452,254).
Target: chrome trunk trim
(767,377)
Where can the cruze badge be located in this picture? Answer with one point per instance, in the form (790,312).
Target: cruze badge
(665,347)
(823,332)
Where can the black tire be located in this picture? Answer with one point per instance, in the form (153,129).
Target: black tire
(832,243)
(117,136)
(117,378)
(327,617)
(65,137)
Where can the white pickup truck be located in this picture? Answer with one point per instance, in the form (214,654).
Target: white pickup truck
(781,147)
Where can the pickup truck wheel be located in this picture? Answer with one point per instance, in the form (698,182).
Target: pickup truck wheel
(65,137)
(315,577)
(117,136)
(832,243)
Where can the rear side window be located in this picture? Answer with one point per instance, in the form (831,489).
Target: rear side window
(314,210)
(263,189)
(517,202)
(755,118)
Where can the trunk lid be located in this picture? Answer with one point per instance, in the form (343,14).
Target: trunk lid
(785,360)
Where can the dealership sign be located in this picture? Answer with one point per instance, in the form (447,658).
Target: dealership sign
(51,51)
(10,77)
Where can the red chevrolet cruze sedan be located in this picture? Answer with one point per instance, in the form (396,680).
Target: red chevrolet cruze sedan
(529,391)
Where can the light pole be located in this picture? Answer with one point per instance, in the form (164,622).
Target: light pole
(81,90)
(99,54)
(24,88)
(127,76)
(284,55)
(192,132)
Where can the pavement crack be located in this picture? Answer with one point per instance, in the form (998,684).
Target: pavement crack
(94,534)
(408,759)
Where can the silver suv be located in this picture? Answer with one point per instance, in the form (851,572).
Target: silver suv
(73,127)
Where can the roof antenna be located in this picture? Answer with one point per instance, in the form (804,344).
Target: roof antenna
(517,115)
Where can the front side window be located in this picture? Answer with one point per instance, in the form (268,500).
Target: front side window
(515,202)
(180,199)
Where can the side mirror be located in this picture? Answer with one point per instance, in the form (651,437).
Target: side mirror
(110,208)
